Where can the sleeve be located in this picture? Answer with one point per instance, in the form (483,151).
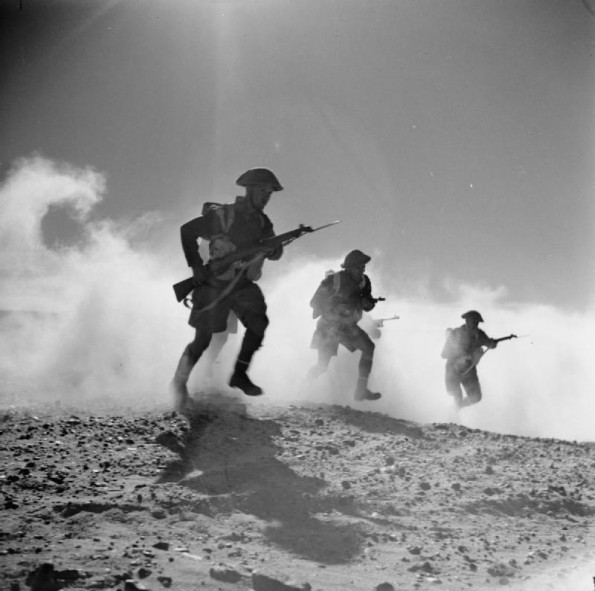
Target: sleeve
(367,301)
(485,340)
(190,232)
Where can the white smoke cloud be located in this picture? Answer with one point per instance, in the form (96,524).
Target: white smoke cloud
(539,384)
(97,320)
(89,320)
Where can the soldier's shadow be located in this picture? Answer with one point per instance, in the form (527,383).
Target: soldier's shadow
(233,462)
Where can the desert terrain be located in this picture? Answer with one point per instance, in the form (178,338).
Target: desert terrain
(244,494)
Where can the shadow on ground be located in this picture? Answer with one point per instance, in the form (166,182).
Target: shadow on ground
(232,460)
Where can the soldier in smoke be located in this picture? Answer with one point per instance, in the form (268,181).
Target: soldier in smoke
(463,350)
(228,228)
(338,303)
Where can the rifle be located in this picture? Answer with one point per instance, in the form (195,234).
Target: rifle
(217,266)
(465,364)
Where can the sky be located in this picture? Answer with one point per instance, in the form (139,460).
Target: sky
(454,139)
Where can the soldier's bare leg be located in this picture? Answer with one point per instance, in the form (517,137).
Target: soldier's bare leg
(324,359)
(189,358)
(472,387)
(452,381)
(366,346)
(250,308)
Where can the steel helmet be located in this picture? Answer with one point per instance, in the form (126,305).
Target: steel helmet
(356,257)
(472,315)
(258,176)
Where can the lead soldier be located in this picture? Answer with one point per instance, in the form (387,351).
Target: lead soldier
(229,228)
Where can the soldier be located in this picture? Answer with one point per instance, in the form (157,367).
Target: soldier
(338,304)
(228,228)
(463,350)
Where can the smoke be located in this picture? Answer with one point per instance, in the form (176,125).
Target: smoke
(86,321)
(539,384)
(96,320)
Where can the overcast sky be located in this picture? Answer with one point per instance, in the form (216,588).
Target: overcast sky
(453,138)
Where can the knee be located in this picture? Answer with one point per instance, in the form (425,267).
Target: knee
(475,396)
(368,349)
(257,324)
(199,345)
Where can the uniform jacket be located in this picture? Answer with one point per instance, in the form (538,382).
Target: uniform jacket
(341,299)
(228,228)
(464,341)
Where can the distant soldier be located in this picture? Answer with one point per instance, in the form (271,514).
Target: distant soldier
(228,228)
(338,303)
(463,350)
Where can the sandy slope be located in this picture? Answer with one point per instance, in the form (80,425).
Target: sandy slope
(325,496)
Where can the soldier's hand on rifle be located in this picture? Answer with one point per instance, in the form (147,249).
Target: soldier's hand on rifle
(275,253)
(368,304)
(199,274)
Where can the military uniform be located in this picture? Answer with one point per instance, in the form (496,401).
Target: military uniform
(462,344)
(228,228)
(244,231)
(338,303)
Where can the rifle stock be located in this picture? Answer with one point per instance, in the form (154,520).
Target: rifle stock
(183,288)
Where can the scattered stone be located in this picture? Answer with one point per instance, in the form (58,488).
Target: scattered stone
(225,574)
(262,582)
(500,570)
(131,585)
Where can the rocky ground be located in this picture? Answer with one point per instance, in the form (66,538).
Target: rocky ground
(283,498)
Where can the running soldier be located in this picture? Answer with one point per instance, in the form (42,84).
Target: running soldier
(338,303)
(230,228)
(463,350)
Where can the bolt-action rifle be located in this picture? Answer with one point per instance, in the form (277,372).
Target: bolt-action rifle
(264,246)
(465,364)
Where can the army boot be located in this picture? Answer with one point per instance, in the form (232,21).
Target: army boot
(362,392)
(177,386)
(240,379)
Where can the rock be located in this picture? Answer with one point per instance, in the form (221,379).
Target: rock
(131,585)
(501,570)
(261,582)
(165,581)
(161,546)
(384,587)
(225,574)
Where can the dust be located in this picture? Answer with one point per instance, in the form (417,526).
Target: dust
(95,319)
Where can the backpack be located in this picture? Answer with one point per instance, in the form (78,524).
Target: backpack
(450,344)
(316,307)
